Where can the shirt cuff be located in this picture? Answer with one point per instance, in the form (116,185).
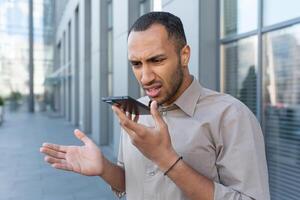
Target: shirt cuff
(118,193)
(222,192)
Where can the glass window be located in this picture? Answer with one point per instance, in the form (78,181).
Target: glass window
(276,11)
(43,23)
(281,64)
(14,44)
(238,16)
(14,47)
(240,70)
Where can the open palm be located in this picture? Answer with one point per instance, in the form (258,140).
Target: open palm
(87,159)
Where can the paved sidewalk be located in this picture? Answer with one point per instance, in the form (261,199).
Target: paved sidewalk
(23,173)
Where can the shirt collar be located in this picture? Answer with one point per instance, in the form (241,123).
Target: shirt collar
(188,100)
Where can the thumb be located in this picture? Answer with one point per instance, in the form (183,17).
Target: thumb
(156,115)
(81,136)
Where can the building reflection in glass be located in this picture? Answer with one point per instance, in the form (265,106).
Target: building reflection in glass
(240,70)
(238,16)
(14,45)
(281,64)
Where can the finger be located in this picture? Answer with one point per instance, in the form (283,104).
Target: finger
(131,134)
(58,163)
(121,115)
(55,147)
(53,153)
(124,107)
(81,136)
(126,123)
(156,115)
(136,118)
(62,166)
(52,160)
(134,138)
(129,116)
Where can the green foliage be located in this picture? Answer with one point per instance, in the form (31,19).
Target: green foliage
(1,101)
(15,96)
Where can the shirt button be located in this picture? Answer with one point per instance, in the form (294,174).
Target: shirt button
(151,173)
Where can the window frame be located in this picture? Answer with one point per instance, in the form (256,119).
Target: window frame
(260,31)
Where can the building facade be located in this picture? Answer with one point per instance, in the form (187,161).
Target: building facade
(248,49)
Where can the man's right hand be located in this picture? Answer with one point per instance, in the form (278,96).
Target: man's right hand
(86,160)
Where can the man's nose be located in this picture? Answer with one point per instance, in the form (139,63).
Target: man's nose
(147,76)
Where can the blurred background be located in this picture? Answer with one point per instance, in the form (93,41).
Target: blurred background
(59,57)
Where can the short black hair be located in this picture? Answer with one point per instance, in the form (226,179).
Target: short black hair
(172,24)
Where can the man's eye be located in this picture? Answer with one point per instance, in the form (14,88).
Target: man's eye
(135,64)
(158,60)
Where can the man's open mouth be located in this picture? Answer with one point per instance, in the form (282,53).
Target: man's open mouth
(153,91)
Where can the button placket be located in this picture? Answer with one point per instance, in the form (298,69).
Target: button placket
(150,181)
(151,171)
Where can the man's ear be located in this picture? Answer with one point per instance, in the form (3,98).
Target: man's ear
(185,55)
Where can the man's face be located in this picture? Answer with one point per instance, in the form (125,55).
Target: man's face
(156,63)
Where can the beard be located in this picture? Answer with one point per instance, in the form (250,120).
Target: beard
(177,79)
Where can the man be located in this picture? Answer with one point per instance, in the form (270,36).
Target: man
(197,143)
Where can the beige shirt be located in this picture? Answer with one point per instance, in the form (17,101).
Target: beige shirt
(217,135)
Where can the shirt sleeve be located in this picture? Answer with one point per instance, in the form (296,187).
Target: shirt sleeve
(241,161)
(120,158)
(120,162)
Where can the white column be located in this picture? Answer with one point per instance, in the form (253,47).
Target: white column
(95,68)
(120,60)
(66,64)
(62,75)
(209,47)
(75,69)
(84,70)
(188,12)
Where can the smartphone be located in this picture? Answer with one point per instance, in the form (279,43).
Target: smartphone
(129,104)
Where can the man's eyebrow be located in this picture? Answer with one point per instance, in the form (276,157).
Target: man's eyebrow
(133,61)
(148,59)
(155,57)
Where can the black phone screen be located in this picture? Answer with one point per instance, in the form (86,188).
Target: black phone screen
(129,104)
